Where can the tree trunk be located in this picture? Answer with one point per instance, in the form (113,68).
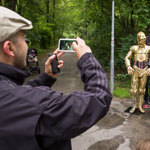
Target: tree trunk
(54,20)
(53,9)
(19,10)
(102,25)
(132,23)
(47,6)
(11,4)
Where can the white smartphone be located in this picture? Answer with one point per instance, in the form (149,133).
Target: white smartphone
(66,45)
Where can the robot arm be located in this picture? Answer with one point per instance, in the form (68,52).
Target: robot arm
(127,62)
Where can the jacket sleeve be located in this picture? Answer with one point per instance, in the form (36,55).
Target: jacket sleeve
(68,116)
(42,80)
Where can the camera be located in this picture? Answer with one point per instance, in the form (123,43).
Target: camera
(54,64)
(66,45)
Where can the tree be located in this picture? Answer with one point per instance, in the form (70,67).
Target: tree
(11,4)
(54,19)
(48,9)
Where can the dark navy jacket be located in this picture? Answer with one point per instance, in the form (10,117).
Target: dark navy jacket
(33,117)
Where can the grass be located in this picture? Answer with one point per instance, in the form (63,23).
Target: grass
(122,93)
(122,87)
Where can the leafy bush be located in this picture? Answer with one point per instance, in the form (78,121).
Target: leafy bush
(46,37)
(34,37)
(100,46)
(123,77)
(125,45)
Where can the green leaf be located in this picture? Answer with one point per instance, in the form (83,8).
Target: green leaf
(135,16)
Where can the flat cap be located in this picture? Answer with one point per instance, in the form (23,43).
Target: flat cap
(11,23)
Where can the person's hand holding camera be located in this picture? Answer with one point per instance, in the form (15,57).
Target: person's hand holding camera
(48,68)
(80,47)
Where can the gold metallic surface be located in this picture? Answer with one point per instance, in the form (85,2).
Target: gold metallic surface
(138,76)
(140,103)
(140,72)
(134,105)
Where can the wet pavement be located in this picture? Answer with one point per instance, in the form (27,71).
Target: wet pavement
(118,130)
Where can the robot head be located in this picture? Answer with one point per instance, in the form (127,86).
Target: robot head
(141,38)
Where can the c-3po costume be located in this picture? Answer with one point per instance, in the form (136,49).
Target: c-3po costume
(139,72)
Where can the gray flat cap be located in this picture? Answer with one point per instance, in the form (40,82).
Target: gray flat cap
(11,23)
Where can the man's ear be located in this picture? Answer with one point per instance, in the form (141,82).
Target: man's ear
(8,48)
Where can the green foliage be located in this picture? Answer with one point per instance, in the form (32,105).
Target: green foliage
(41,51)
(126,43)
(123,77)
(1,3)
(34,37)
(124,48)
(44,52)
(141,16)
(46,37)
(91,19)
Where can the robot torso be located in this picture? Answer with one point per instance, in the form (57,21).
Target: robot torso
(141,55)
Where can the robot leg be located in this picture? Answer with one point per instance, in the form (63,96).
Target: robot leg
(141,93)
(134,85)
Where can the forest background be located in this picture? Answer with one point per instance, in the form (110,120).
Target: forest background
(90,20)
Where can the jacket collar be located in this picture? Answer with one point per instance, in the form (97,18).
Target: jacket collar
(15,74)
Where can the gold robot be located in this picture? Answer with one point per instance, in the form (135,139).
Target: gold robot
(139,72)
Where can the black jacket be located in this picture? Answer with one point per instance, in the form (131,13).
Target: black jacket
(33,117)
(148,40)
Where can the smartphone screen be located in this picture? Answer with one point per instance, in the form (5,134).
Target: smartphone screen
(66,45)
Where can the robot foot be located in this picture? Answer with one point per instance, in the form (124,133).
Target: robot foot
(141,110)
(132,110)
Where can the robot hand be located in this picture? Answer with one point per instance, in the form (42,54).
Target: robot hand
(148,72)
(130,70)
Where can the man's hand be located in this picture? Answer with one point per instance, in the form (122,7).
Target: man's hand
(81,48)
(48,68)
(148,72)
(130,70)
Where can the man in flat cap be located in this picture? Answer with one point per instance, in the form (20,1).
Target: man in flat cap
(32,116)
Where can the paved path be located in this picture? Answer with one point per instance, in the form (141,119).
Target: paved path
(118,130)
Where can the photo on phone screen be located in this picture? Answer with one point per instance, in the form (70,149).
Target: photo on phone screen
(66,45)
